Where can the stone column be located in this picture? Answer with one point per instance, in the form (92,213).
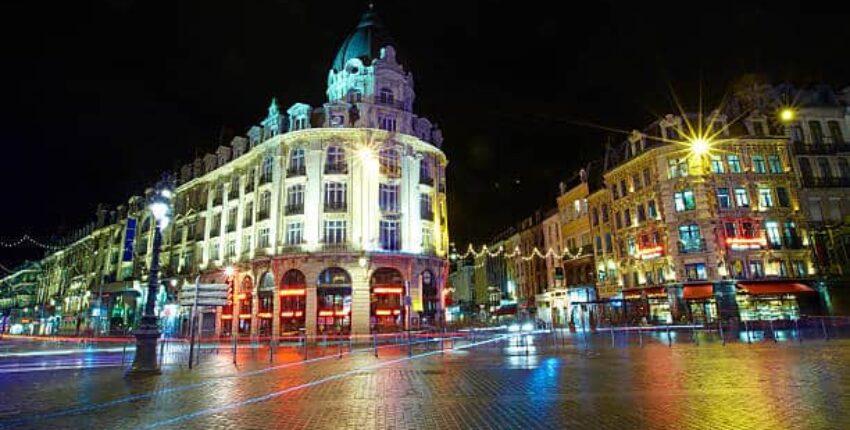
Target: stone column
(360,294)
(311,309)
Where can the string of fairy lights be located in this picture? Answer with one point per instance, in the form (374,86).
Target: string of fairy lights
(27,240)
(517,253)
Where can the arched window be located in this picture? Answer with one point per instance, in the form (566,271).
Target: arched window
(604,213)
(296,163)
(389,160)
(385,96)
(335,160)
(334,276)
(594,217)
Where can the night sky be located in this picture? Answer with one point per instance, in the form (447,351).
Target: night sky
(99,98)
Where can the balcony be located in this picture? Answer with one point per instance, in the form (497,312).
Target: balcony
(691,246)
(214,233)
(331,207)
(788,243)
(823,146)
(295,171)
(336,168)
(393,103)
(830,182)
(262,215)
(389,209)
(336,247)
(294,209)
(426,180)
(391,171)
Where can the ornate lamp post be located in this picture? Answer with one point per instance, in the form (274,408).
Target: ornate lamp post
(145,361)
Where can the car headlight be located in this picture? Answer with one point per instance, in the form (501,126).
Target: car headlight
(528,327)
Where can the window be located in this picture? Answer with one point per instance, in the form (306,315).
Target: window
(731,229)
(742,199)
(723,199)
(231,219)
(631,248)
(690,237)
(594,217)
(246,243)
(765,198)
(796,133)
(774,163)
(426,210)
(636,182)
(335,196)
(425,172)
(234,187)
(216,225)
(823,166)
(249,181)
(756,269)
(684,201)
(385,96)
(614,193)
(294,198)
(617,220)
(265,205)
(773,236)
(335,160)
(388,197)
(248,214)
(717,164)
(647,176)
(758,128)
(387,123)
(334,231)
(263,241)
(389,162)
(627,218)
(782,197)
(427,240)
(800,268)
(843,169)
(758,164)
(696,272)
(604,213)
(805,168)
(653,212)
(835,132)
(294,233)
(790,231)
(598,245)
(748,230)
(734,163)
(678,167)
(623,190)
(296,162)
(817,132)
(641,214)
(214,250)
(390,235)
(268,168)
(609,246)
(231,248)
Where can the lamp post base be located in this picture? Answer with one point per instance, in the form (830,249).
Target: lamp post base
(144,362)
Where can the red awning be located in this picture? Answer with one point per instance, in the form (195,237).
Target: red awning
(774,288)
(637,293)
(698,292)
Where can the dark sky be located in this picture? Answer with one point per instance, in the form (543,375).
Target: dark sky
(99,97)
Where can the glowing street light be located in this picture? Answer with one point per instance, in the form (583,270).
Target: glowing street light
(787,114)
(229,271)
(700,146)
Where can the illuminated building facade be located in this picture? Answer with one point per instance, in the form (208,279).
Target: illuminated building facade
(330,216)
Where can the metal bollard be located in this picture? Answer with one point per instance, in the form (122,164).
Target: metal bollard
(747,329)
(825,332)
(124,356)
(161,351)
(640,336)
(797,329)
(722,336)
(612,336)
(669,339)
(271,350)
(694,334)
(304,346)
(375,343)
(773,332)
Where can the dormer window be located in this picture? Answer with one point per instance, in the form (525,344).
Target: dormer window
(355,96)
(385,96)
(299,123)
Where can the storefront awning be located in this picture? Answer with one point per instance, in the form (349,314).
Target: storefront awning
(698,292)
(506,310)
(774,288)
(637,293)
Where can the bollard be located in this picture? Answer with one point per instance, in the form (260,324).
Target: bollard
(612,336)
(640,336)
(304,345)
(161,351)
(669,339)
(442,339)
(409,345)
(375,343)
(747,329)
(123,356)
(722,336)
(797,329)
(271,351)
(694,334)
(233,347)
(340,348)
(773,331)
(823,326)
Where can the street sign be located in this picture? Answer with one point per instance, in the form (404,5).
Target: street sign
(203,295)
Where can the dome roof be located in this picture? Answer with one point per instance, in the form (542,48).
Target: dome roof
(365,42)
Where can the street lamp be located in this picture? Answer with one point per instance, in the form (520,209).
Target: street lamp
(148,332)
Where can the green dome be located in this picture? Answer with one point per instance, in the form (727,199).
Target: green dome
(365,42)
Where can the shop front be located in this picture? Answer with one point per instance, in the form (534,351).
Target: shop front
(293,303)
(650,305)
(245,301)
(762,301)
(386,303)
(265,308)
(701,305)
(333,293)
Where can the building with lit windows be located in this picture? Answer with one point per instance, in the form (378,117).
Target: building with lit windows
(330,216)
(698,229)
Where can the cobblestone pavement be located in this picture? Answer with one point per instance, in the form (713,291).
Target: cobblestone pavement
(544,383)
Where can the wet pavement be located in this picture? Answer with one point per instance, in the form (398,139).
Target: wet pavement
(488,382)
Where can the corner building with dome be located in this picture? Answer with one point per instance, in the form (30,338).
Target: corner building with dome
(330,216)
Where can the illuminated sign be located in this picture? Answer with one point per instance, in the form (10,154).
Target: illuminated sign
(741,243)
(388,290)
(649,253)
(293,292)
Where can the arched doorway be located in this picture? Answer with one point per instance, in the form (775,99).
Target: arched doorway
(244,299)
(387,309)
(430,298)
(266,305)
(333,294)
(293,302)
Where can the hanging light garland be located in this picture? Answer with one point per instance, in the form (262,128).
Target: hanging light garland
(29,239)
(517,253)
